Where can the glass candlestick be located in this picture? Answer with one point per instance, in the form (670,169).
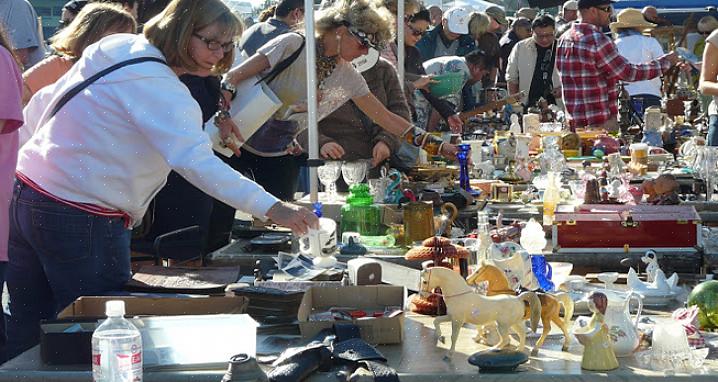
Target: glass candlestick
(463,157)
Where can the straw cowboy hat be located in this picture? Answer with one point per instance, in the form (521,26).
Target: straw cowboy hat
(630,18)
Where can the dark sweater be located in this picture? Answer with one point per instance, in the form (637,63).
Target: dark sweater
(356,132)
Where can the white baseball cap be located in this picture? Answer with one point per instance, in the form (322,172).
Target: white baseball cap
(457,20)
(571,5)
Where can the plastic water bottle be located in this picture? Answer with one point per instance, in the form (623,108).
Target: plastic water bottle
(116,347)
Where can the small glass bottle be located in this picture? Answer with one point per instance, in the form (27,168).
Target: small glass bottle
(551,198)
(483,236)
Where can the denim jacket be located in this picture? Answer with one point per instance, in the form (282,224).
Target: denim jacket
(427,44)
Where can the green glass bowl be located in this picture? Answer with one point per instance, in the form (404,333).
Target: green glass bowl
(449,83)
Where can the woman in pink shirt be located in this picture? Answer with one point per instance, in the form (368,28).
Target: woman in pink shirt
(10,121)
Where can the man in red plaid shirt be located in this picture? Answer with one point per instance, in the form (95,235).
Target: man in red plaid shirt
(590,66)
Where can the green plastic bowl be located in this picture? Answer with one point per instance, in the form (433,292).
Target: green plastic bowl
(449,83)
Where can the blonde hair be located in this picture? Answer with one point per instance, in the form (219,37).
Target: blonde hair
(707,24)
(94,22)
(364,15)
(171,30)
(478,24)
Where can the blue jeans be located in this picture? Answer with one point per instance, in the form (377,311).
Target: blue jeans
(712,136)
(58,253)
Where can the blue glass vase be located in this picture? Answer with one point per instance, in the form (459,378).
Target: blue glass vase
(543,272)
(463,157)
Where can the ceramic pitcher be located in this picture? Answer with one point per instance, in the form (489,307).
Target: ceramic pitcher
(623,331)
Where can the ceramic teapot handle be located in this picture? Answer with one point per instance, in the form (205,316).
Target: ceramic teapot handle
(631,296)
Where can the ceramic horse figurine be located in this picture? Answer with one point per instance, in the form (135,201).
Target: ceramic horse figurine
(463,305)
(550,303)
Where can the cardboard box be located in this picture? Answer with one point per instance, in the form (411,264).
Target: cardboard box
(93,307)
(379,330)
(58,346)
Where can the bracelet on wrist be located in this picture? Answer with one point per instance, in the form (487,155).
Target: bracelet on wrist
(228,86)
(408,130)
(221,116)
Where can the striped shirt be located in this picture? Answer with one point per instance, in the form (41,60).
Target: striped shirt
(590,66)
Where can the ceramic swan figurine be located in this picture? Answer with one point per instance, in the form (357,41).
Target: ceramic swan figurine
(656,283)
(660,285)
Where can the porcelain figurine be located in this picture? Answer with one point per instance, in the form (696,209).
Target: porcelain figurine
(550,303)
(464,305)
(598,354)
(660,286)
(515,262)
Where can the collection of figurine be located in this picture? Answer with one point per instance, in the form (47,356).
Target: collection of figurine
(488,299)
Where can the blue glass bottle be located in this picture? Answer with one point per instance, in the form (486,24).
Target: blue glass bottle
(543,272)
(463,157)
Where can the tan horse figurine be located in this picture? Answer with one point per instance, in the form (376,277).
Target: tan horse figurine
(464,305)
(550,303)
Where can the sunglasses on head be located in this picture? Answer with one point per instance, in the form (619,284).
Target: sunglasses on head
(414,31)
(365,39)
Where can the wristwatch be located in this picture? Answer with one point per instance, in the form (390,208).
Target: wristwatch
(228,86)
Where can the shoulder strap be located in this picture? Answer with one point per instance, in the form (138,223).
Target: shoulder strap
(284,64)
(82,85)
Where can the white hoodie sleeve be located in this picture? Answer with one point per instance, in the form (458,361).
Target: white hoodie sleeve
(32,113)
(171,121)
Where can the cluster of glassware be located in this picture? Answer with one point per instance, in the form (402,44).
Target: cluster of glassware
(353,172)
(705,166)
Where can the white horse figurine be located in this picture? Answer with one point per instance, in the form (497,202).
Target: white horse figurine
(464,305)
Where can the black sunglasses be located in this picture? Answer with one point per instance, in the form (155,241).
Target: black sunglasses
(415,31)
(365,39)
(607,9)
(215,45)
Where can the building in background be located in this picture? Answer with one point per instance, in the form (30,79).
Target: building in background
(49,11)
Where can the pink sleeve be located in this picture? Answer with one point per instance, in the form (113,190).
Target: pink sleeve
(11,96)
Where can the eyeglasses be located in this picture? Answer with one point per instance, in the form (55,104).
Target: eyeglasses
(414,31)
(607,9)
(544,35)
(365,39)
(215,45)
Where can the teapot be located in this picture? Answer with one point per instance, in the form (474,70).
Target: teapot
(623,332)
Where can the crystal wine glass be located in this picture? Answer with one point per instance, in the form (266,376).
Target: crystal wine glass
(709,171)
(354,172)
(328,174)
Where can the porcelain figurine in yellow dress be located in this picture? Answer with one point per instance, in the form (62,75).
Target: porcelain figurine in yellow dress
(598,352)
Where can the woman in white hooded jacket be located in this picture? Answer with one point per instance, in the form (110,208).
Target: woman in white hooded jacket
(90,170)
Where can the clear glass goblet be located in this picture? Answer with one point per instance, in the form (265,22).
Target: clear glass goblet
(354,172)
(328,175)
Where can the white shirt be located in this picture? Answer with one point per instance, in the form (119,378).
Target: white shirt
(639,49)
(114,143)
